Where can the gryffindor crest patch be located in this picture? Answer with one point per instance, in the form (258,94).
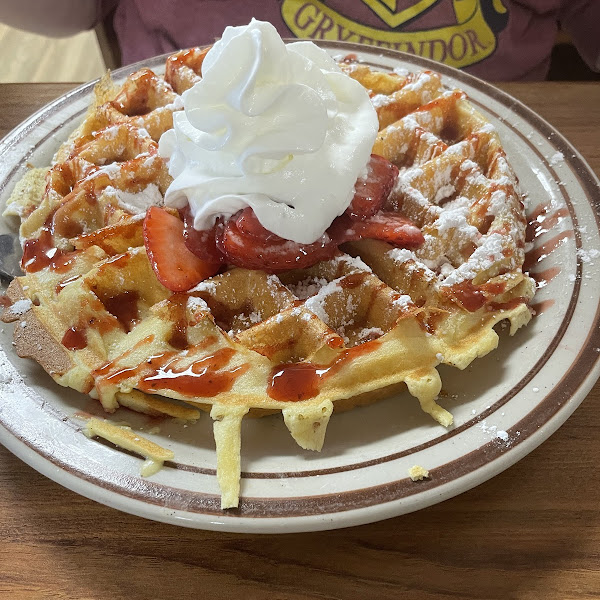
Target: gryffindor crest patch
(468,39)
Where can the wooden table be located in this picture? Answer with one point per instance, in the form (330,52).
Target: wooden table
(531,532)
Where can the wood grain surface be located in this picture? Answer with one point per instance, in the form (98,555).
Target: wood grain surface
(531,532)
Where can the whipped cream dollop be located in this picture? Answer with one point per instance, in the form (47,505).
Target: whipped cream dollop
(272,126)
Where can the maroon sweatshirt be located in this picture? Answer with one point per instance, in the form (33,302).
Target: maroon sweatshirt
(497,40)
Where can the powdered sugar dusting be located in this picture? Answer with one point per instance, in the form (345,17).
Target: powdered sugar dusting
(307,287)
(456,219)
(315,303)
(205,286)
(401,255)
(380,100)
(355,262)
(11,382)
(588,256)
(484,257)
(494,432)
(195,303)
(20,307)
(370,333)
(403,302)
(556,159)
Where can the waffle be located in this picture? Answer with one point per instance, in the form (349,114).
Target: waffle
(369,322)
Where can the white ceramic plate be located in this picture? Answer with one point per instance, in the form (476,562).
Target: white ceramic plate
(504,405)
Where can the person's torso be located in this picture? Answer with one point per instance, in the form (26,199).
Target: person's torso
(494,39)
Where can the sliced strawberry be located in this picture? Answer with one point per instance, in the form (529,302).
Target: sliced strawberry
(386,226)
(371,193)
(246,243)
(201,243)
(248,224)
(175,266)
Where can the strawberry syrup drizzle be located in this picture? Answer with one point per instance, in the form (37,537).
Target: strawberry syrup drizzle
(473,297)
(124,307)
(203,378)
(539,307)
(74,338)
(179,338)
(295,382)
(541,221)
(538,254)
(40,253)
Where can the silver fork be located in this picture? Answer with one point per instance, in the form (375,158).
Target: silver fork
(10,257)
